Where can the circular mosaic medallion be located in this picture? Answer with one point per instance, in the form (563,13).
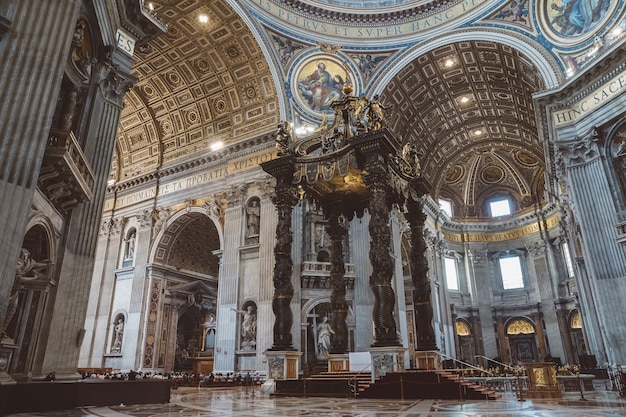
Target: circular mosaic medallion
(573,21)
(455,174)
(492,174)
(526,159)
(319,80)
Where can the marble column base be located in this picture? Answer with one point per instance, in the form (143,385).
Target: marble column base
(7,349)
(427,359)
(283,364)
(387,359)
(338,362)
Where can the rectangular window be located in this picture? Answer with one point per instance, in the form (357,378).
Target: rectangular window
(568,260)
(511,271)
(446,206)
(500,207)
(452,279)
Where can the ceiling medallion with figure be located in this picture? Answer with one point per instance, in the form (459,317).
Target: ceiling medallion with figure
(319,81)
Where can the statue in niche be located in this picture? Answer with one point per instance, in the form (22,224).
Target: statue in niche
(253,212)
(324,332)
(210,326)
(248,328)
(27,270)
(129,252)
(118,334)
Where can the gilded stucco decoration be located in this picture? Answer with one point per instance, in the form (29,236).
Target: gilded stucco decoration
(520,326)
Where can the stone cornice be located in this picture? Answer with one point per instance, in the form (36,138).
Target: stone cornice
(236,150)
(397,16)
(482,226)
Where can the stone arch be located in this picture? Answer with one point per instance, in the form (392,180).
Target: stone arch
(31,294)
(174,229)
(185,256)
(547,65)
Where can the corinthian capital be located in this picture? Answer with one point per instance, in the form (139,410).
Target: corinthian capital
(581,150)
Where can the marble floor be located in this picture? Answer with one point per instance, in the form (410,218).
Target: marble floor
(236,402)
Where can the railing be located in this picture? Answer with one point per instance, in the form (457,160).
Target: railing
(353,383)
(509,367)
(466,364)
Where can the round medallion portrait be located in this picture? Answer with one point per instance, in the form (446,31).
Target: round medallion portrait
(319,80)
(572,21)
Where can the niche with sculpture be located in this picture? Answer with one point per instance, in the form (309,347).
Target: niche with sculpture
(117,334)
(129,247)
(319,333)
(253,220)
(31,289)
(247,326)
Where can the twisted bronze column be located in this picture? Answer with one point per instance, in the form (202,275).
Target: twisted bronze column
(284,200)
(377,180)
(419,274)
(338,295)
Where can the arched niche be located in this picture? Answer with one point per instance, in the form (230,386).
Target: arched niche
(467,348)
(521,334)
(31,294)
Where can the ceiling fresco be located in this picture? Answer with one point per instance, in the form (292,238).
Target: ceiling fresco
(467,104)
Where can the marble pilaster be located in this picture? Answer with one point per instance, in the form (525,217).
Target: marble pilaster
(100,295)
(398,225)
(228,289)
(75,273)
(32,94)
(480,275)
(594,210)
(363,297)
(267,240)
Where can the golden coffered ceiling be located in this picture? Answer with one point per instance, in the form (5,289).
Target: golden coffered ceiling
(198,84)
(466,105)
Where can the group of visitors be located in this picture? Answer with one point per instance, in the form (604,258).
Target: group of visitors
(184,379)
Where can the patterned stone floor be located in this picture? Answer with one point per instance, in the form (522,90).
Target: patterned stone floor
(236,402)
